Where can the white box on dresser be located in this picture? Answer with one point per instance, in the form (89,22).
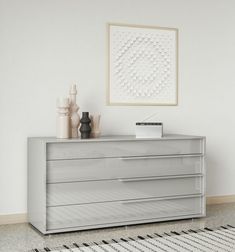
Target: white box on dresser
(79,184)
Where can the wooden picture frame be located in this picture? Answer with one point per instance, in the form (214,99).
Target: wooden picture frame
(142,65)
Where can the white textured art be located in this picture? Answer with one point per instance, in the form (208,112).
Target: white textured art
(142,65)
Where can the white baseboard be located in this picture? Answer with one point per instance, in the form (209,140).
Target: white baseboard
(22,217)
(13,218)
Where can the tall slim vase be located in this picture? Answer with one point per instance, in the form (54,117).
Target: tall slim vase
(74,116)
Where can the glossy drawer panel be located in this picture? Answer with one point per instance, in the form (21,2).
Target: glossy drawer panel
(75,150)
(123,189)
(112,168)
(121,212)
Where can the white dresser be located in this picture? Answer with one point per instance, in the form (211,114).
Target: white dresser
(112,181)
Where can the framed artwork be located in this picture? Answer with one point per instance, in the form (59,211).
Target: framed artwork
(143,65)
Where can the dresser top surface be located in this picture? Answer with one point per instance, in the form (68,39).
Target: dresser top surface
(115,138)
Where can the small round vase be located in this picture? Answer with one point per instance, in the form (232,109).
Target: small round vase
(85,128)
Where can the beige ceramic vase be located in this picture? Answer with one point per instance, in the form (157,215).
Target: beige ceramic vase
(95,126)
(62,123)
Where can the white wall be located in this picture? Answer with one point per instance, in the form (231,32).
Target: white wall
(44,45)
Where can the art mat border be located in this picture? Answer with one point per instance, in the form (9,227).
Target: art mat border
(108,102)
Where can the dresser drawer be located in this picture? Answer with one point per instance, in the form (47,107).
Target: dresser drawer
(123,189)
(112,168)
(76,150)
(121,212)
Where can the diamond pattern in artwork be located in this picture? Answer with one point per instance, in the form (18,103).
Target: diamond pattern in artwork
(142,65)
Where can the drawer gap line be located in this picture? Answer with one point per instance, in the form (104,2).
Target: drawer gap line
(183,196)
(195,175)
(120,157)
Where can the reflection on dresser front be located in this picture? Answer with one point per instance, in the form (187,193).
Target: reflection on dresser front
(113,181)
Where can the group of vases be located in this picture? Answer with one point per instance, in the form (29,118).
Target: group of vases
(68,119)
